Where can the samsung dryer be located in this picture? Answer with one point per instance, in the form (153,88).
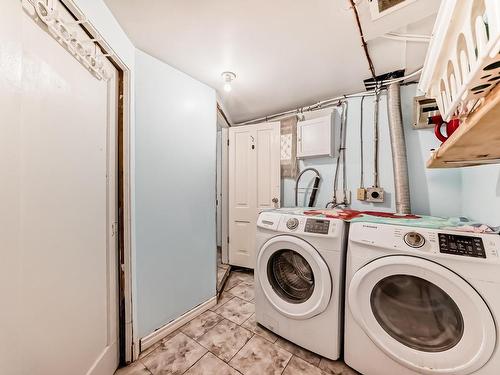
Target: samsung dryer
(421,301)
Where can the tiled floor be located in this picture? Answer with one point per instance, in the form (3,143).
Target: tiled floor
(226,340)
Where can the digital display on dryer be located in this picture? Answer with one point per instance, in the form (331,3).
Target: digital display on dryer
(317,226)
(461,245)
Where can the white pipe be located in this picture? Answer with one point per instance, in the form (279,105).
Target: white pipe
(313,107)
(407,37)
(325,103)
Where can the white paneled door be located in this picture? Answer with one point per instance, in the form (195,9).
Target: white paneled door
(63,122)
(254,185)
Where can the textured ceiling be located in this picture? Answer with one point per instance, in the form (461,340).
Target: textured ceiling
(285,53)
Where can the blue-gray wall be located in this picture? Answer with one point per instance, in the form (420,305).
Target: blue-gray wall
(481,193)
(433,192)
(473,192)
(175,149)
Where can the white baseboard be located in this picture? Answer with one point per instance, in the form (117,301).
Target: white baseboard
(160,333)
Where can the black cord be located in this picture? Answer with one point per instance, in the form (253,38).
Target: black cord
(362,182)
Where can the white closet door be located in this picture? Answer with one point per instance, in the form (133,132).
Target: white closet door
(254,185)
(268,166)
(66,252)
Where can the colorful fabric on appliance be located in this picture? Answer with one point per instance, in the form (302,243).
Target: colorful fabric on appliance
(462,224)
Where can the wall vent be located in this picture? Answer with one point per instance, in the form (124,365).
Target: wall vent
(380,8)
(424,110)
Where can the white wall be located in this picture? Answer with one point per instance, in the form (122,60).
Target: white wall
(432,191)
(10,175)
(175,193)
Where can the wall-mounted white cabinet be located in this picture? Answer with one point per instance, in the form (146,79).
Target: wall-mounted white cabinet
(318,137)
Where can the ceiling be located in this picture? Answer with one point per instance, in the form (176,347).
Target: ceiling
(285,53)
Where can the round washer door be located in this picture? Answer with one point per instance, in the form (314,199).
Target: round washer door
(294,277)
(422,315)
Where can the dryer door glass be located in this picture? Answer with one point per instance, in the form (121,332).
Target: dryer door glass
(290,276)
(417,313)
(422,315)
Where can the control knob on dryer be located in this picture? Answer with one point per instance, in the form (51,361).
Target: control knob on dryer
(414,239)
(292,223)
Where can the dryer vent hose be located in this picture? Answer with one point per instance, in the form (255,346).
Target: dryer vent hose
(398,146)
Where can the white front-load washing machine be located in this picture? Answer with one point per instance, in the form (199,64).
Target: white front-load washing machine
(299,278)
(421,301)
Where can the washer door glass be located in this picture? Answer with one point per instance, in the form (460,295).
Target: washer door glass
(294,278)
(422,315)
(417,313)
(291,276)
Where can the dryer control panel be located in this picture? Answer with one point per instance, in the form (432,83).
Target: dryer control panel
(461,245)
(317,226)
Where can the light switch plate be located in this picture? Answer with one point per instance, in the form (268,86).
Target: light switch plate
(361,194)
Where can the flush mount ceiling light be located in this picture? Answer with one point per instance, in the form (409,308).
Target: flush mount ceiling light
(228,77)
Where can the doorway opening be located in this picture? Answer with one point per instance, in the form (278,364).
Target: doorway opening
(221,199)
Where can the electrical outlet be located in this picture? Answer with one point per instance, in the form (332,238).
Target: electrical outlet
(340,196)
(375,195)
(361,194)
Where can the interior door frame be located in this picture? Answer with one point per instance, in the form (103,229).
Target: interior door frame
(129,344)
(224,199)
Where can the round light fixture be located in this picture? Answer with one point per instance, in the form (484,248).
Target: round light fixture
(228,77)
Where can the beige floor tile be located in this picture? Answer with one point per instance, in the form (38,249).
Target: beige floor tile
(259,357)
(209,365)
(150,350)
(244,291)
(174,356)
(236,310)
(305,354)
(336,367)
(136,368)
(231,282)
(221,272)
(201,324)
(225,339)
(243,275)
(155,346)
(256,328)
(223,298)
(298,366)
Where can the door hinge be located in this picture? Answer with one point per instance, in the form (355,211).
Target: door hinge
(227,239)
(228,142)
(114,228)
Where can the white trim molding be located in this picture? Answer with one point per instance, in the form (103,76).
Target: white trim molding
(151,339)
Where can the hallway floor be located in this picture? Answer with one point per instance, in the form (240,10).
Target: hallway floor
(227,341)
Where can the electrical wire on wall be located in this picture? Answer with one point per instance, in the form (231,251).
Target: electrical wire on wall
(362,173)
(341,162)
(376,132)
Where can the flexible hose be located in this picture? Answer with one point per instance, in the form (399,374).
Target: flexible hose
(298,179)
(398,146)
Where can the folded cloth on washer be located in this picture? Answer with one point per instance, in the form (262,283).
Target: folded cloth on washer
(461,224)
